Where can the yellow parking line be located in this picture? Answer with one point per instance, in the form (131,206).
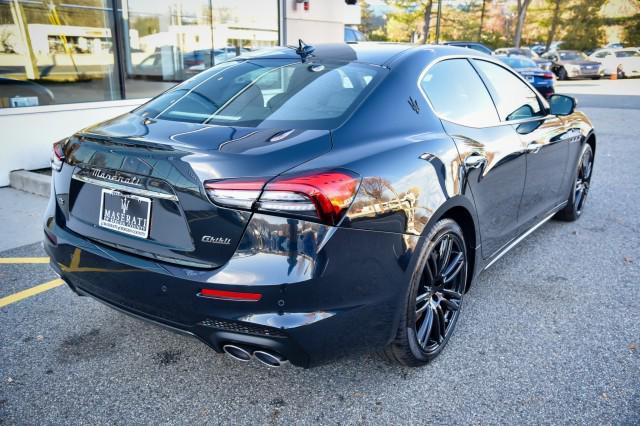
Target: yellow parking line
(16,297)
(17,260)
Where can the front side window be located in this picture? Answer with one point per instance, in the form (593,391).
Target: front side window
(513,98)
(457,94)
(268,93)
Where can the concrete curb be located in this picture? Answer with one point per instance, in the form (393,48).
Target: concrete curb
(35,183)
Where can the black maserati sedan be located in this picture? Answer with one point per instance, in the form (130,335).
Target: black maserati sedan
(298,205)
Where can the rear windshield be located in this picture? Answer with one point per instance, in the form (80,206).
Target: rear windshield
(267,93)
(518,62)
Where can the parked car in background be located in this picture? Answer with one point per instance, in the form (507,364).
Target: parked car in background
(572,64)
(614,46)
(544,64)
(622,62)
(539,48)
(23,93)
(192,63)
(470,45)
(542,80)
(351,35)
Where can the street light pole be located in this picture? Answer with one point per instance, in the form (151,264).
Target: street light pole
(438,17)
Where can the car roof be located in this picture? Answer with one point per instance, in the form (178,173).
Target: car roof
(367,52)
(374,53)
(453,43)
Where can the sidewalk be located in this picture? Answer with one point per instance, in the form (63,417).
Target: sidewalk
(20,218)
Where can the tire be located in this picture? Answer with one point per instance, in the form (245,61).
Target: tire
(580,188)
(562,74)
(595,78)
(433,306)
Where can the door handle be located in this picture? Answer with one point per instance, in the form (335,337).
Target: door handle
(475,161)
(534,147)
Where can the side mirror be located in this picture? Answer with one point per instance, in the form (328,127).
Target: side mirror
(562,104)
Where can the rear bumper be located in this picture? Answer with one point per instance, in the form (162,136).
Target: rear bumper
(322,297)
(546,91)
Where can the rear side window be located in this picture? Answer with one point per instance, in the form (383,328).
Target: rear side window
(627,54)
(269,93)
(513,98)
(458,94)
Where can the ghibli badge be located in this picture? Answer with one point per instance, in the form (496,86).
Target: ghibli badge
(216,240)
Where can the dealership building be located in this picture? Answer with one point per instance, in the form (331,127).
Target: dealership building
(66,64)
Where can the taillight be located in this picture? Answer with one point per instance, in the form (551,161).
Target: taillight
(321,196)
(236,193)
(547,75)
(57,156)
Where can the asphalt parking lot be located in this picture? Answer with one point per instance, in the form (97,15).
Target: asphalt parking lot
(549,334)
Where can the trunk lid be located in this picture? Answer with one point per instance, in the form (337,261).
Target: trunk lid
(165,163)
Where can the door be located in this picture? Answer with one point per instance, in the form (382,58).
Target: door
(492,153)
(543,137)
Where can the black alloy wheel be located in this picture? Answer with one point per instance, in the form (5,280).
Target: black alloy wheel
(435,297)
(582,183)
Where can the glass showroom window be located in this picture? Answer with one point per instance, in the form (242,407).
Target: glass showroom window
(55,52)
(172,40)
(169,41)
(241,26)
(65,51)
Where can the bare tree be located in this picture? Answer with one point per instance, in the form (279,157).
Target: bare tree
(523,5)
(484,4)
(555,21)
(427,21)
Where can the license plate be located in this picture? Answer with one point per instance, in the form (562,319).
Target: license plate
(125,213)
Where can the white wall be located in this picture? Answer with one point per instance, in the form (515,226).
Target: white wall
(322,23)
(28,133)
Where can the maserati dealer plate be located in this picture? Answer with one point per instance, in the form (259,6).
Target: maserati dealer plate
(125,213)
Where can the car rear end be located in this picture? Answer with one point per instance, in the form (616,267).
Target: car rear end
(541,80)
(628,62)
(189,213)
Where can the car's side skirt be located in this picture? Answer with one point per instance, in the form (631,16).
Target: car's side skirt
(515,242)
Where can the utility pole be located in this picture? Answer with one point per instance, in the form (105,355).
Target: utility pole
(438,18)
(19,18)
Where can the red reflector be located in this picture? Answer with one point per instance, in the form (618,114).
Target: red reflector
(230,295)
(548,75)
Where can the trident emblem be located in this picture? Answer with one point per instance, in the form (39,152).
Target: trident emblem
(124,205)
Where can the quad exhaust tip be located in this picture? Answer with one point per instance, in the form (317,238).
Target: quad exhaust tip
(236,352)
(270,359)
